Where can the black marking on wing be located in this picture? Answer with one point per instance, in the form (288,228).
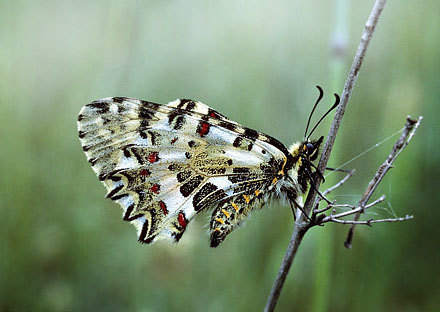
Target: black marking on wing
(240,174)
(93,161)
(174,167)
(139,158)
(274,142)
(145,111)
(172,115)
(153,136)
(100,107)
(207,195)
(227,125)
(250,134)
(180,121)
(187,105)
(270,167)
(189,187)
(114,191)
(183,175)
(127,215)
(119,99)
(117,197)
(126,152)
(144,233)
(237,141)
(148,229)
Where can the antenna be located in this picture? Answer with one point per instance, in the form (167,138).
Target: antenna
(321,94)
(319,121)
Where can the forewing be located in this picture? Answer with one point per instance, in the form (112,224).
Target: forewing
(165,163)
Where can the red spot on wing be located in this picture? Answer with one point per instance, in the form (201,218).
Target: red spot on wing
(145,172)
(213,115)
(155,188)
(203,128)
(174,140)
(163,207)
(182,221)
(153,157)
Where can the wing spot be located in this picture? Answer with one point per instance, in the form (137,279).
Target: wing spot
(153,157)
(155,188)
(183,175)
(145,172)
(247,198)
(203,128)
(250,134)
(119,99)
(234,205)
(163,206)
(237,142)
(182,220)
(180,121)
(220,220)
(227,214)
(189,187)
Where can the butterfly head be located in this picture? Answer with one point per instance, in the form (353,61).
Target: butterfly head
(306,151)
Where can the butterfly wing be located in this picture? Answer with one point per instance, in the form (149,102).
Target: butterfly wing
(165,163)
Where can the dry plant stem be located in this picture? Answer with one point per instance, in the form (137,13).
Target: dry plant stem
(371,221)
(354,210)
(301,224)
(330,189)
(407,133)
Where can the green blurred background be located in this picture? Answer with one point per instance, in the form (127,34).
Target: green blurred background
(63,247)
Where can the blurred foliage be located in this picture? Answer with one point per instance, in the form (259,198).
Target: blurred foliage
(64,247)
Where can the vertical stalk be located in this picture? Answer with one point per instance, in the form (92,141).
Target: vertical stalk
(321,295)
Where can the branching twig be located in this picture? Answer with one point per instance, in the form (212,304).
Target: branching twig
(301,224)
(407,134)
(369,222)
(330,189)
(348,176)
(353,211)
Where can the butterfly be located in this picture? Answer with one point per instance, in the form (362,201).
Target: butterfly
(164,164)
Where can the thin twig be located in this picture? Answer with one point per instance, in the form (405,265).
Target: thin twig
(353,211)
(348,176)
(407,134)
(301,224)
(371,221)
(330,189)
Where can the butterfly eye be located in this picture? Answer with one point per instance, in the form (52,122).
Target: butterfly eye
(309,146)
